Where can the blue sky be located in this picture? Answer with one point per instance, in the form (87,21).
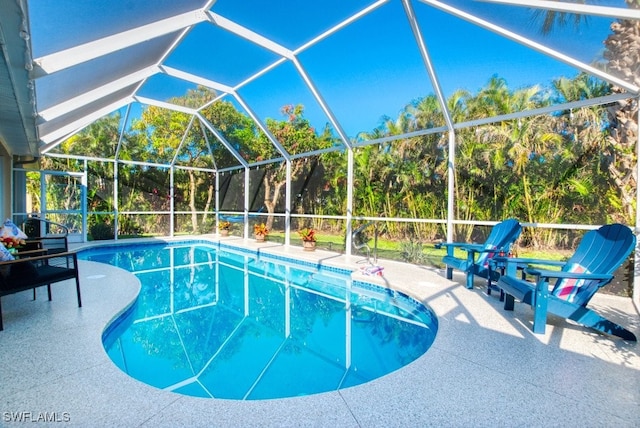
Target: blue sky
(373,67)
(369,69)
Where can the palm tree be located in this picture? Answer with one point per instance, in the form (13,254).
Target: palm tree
(621,54)
(622,51)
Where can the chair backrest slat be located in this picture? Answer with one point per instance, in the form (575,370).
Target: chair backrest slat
(502,235)
(600,251)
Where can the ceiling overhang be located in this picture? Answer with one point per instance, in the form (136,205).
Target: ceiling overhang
(17,104)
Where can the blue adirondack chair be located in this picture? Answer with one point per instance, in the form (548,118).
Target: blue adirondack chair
(477,262)
(567,292)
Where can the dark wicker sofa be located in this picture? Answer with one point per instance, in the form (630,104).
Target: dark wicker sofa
(27,273)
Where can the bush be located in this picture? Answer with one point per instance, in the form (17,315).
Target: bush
(412,251)
(101,231)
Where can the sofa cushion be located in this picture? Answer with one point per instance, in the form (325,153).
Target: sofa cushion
(5,255)
(23,271)
(10,229)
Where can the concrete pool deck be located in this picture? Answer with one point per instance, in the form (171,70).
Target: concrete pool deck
(485,369)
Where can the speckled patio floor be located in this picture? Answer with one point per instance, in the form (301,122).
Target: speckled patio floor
(485,369)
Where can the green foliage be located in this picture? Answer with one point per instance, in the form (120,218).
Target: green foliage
(130,225)
(541,169)
(296,135)
(101,231)
(412,251)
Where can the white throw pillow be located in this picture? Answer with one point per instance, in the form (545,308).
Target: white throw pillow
(5,255)
(10,229)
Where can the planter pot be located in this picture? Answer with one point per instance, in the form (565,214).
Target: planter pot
(260,238)
(224,232)
(308,245)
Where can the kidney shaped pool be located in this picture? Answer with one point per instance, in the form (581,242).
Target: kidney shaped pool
(221,322)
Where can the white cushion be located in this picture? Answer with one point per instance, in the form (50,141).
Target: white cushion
(5,255)
(10,229)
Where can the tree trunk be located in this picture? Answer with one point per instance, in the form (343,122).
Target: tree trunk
(623,54)
(207,206)
(271,196)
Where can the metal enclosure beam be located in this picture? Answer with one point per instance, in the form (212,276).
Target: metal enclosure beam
(61,60)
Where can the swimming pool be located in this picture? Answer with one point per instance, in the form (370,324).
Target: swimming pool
(217,321)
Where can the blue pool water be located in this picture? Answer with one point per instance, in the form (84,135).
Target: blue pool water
(214,321)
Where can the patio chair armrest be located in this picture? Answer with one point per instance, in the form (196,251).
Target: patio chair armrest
(470,249)
(527,261)
(30,253)
(542,273)
(510,264)
(54,243)
(461,245)
(63,230)
(66,254)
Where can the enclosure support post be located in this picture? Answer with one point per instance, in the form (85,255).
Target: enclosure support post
(172,205)
(115,172)
(451,185)
(636,260)
(350,184)
(287,209)
(116,206)
(83,200)
(426,58)
(217,201)
(246,202)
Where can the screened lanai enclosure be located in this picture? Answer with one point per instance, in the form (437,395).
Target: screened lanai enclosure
(409,121)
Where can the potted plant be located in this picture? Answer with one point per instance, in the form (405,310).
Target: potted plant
(260,231)
(224,227)
(308,236)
